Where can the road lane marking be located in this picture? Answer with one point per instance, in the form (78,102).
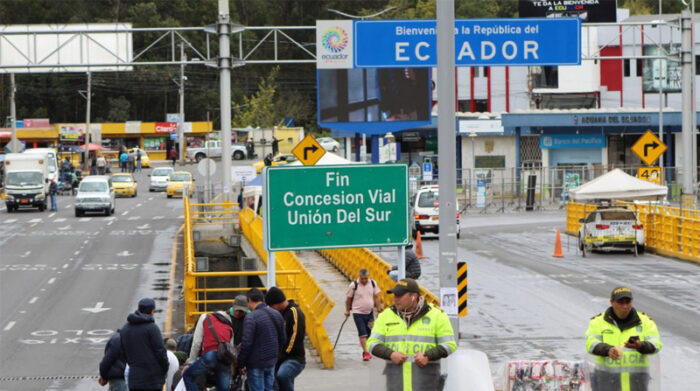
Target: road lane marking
(52,280)
(34,221)
(68,206)
(110,223)
(34,299)
(138,205)
(60,220)
(10,220)
(85,219)
(110,218)
(9,326)
(77,252)
(26,254)
(150,198)
(86,242)
(65,266)
(52,215)
(125,213)
(158,217)
(134,217)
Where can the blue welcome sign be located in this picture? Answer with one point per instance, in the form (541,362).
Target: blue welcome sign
(478,42)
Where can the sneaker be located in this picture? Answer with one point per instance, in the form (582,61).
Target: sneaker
(366,356)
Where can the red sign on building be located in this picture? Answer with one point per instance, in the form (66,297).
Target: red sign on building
(166,127)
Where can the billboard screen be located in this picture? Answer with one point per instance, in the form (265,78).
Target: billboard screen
(374,100)
(670,71)
(587,10)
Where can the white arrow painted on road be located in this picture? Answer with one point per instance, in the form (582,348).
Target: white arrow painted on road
(125,253)
(97,308)
(145,226)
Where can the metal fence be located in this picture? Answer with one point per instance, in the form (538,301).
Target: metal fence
(496,190)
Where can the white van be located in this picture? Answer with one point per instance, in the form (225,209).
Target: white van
(95,194)
(26,181)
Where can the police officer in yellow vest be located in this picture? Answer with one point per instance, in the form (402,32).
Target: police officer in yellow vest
(412,335)
(621,339)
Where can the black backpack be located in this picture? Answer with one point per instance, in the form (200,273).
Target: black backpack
(374,285)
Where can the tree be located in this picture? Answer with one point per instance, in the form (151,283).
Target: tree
(257,109)
(118,109)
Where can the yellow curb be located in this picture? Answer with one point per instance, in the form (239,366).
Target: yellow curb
(171,290)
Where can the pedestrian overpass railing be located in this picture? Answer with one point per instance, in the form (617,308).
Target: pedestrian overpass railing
(670,231)
(206,291)
(311,297)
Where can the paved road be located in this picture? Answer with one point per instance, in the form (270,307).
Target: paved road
(525,304)
(67,283)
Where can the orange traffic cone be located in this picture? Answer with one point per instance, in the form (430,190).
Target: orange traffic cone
(419,246)
(557,247)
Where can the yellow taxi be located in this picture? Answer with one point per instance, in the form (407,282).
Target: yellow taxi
(124,185)
(145,162)
(177,182)
(280,159)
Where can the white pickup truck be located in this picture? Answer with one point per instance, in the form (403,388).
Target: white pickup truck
(212,149)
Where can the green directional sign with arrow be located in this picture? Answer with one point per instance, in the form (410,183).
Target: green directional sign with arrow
(649,148)
(309,151)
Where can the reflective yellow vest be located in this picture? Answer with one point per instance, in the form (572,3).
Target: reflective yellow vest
(430,330)
(601,331)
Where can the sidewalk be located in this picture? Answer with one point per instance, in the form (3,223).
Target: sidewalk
(350,372)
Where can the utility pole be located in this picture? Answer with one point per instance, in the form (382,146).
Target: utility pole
(661,96)
(181,120)
(689,167)
(446,146)
(14,142)
(86,153)
(224,31)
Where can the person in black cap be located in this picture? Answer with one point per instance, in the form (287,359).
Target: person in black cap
(412,336)
(144,349)
(292,359)
(621,339)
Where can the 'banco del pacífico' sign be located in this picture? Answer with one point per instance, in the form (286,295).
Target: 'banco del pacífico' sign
(355,205)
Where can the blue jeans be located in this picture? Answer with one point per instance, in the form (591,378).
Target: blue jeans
(54,204)
(286,374)
(117,385)
(261,379)
(208,360)
(138,165)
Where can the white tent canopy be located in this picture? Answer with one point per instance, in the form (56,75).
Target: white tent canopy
(618,185)
(328,159)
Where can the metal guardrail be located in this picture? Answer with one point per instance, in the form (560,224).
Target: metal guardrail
(669,231)
(349,261)
(312,299)
(196,290)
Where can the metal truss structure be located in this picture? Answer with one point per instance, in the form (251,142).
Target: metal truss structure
(252,45)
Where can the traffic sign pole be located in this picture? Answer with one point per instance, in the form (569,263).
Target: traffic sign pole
(446,139)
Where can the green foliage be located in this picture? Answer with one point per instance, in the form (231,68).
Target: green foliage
(257,109)
(118,110)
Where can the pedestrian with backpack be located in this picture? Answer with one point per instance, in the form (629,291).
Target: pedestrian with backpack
(362,298)
(211,330)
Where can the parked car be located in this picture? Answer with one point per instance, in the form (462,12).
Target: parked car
(159,178)
(212,149)
(280,159)
(329,144)
(124,185)
(177,182)
(145,161)
(426,211)
(611,228)
(95,194)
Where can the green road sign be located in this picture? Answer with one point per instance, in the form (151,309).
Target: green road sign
(356,205)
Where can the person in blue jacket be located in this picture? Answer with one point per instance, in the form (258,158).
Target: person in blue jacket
(112,365)
(144,349)
(263,339)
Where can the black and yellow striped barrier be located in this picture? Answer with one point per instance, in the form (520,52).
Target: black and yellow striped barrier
(462,288)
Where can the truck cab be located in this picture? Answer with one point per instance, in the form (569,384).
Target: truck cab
(212,149)
(26,181)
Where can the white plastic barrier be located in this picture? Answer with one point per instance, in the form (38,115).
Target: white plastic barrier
(468,370)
